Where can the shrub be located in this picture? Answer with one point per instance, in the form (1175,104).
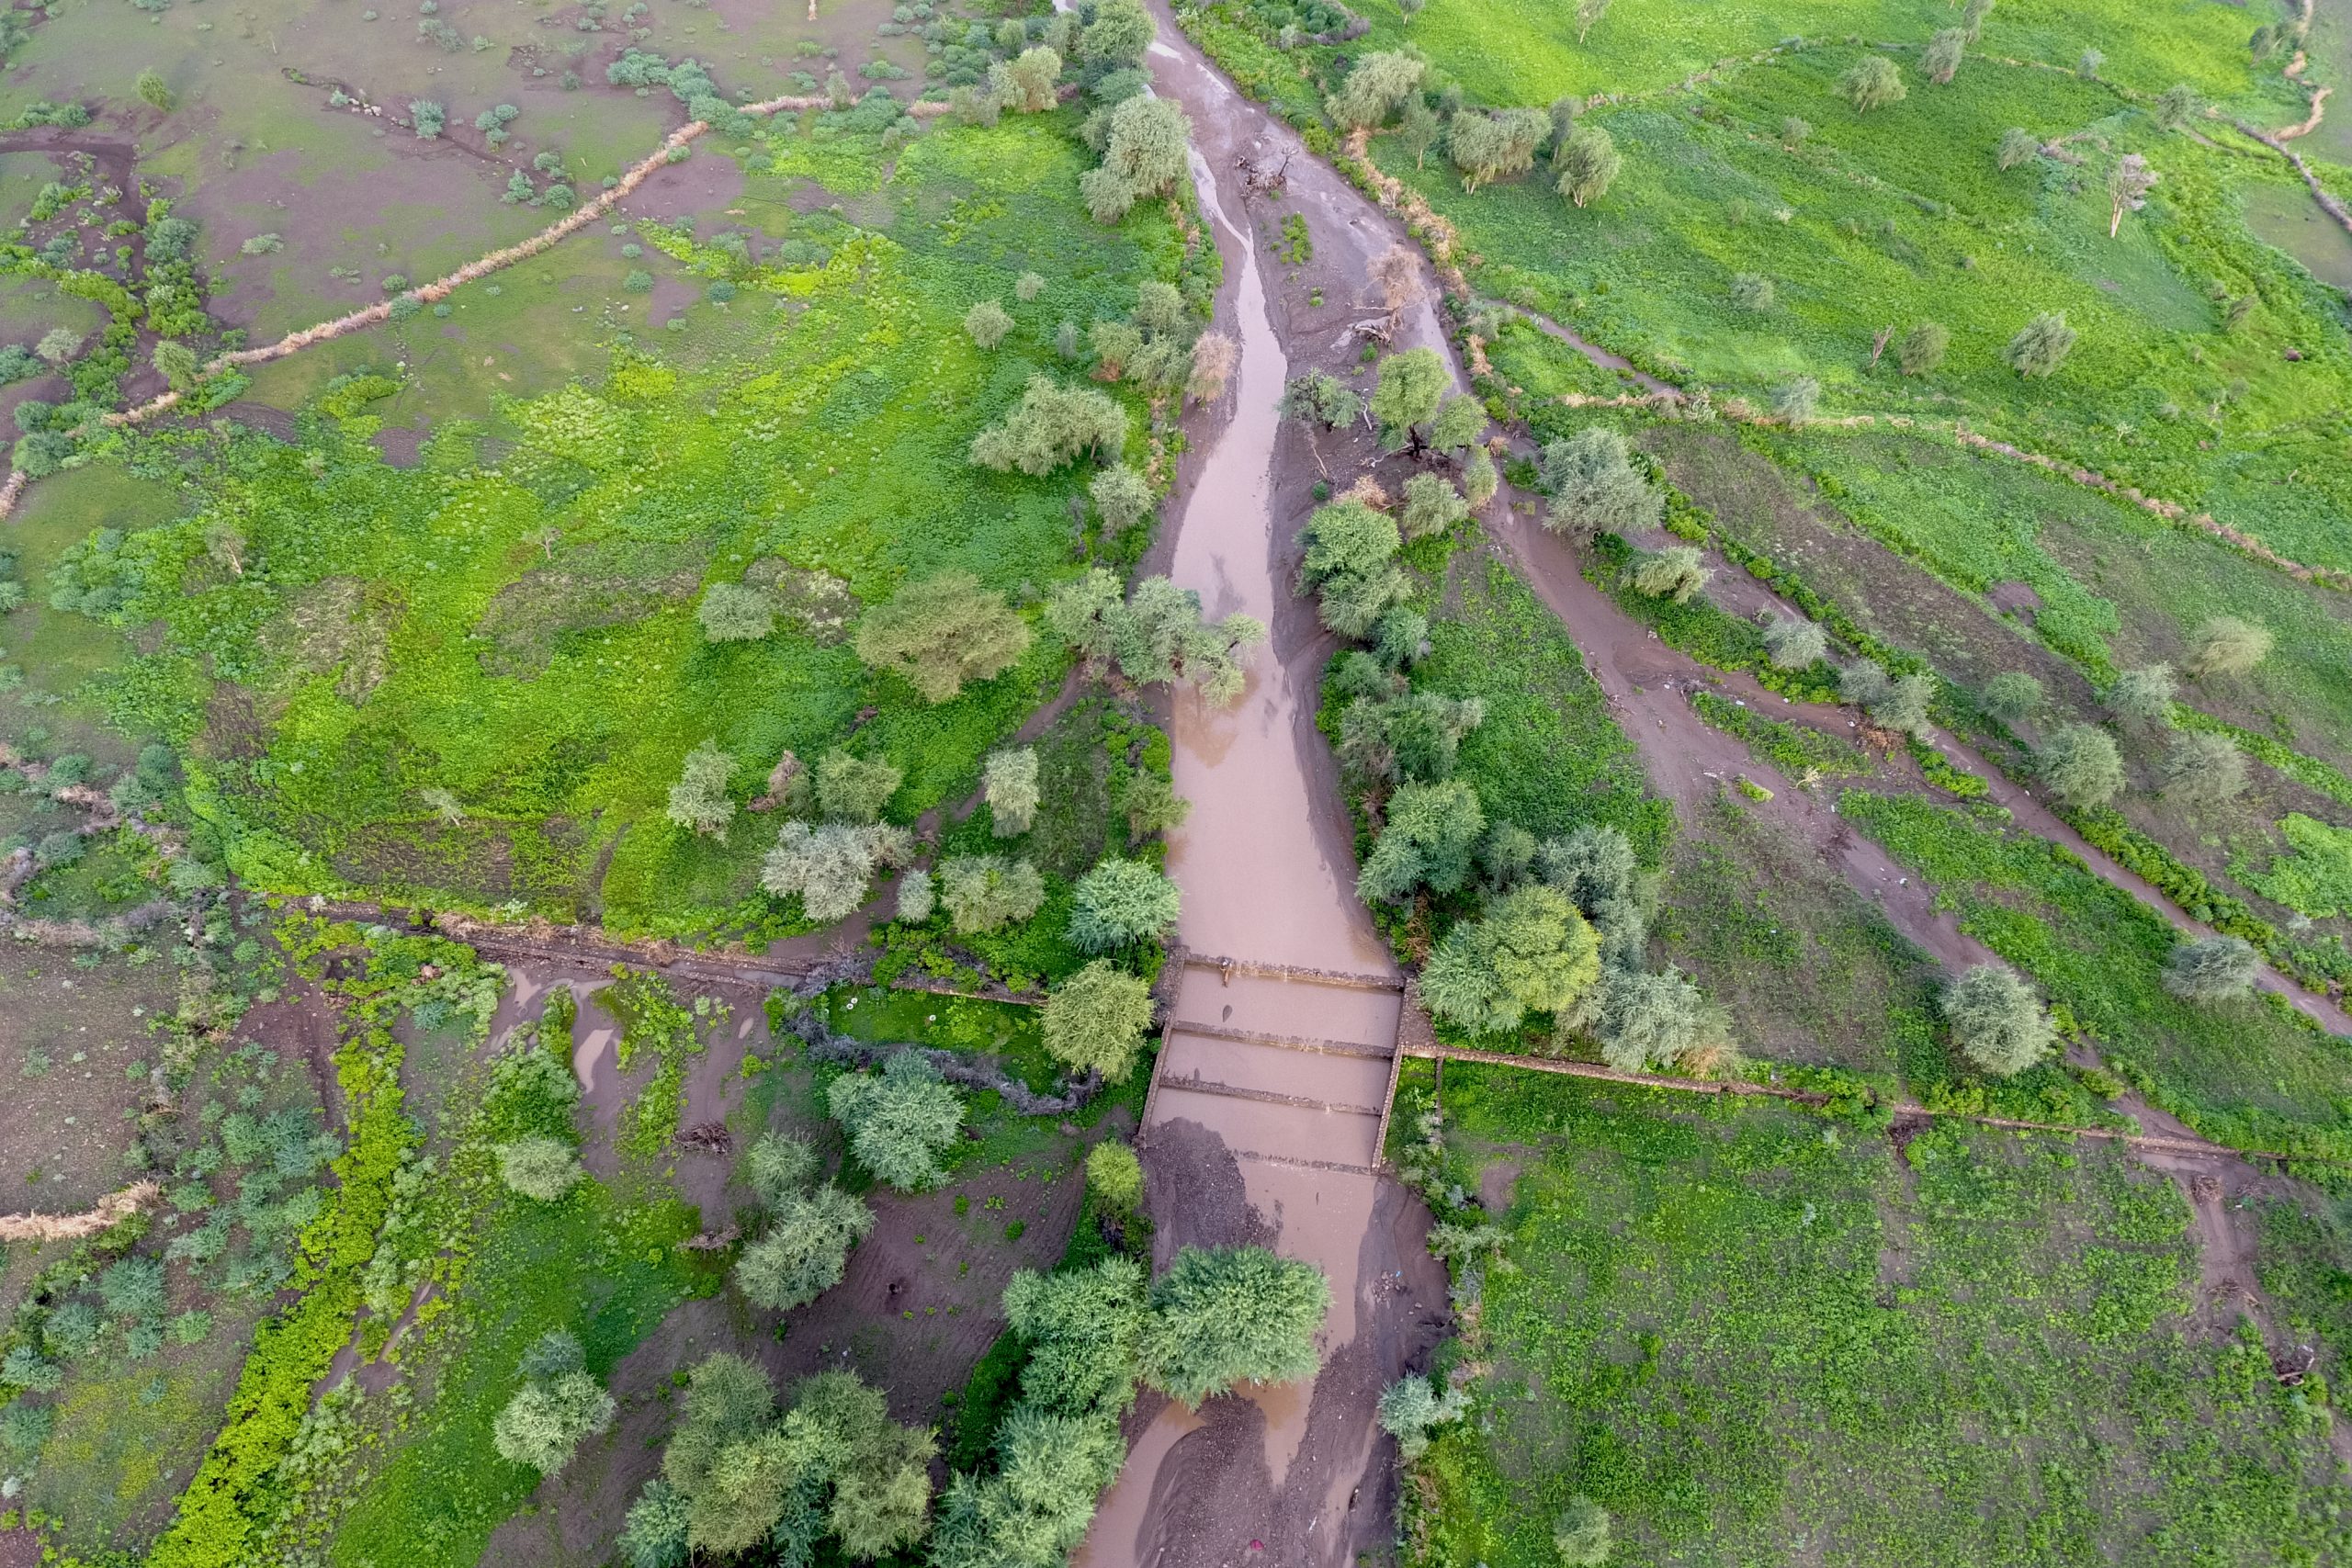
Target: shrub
(177,363)
(698,801)
(1794,403)
(2012,696)
(985,893)
(2212,969)
(1487,146)
(1922,349)
(133,1288)
(1580,1535)
(805,1251)
(2081,766)
(1997,1023)
(1095,1021)
(2041,345)
(940,632)
(58,346)
(1121,495)
(1121,903)
(1214,358)
(1144,154)
(2176,106)
(429,116)
(900,1120)
(1794,133)
(731,612)
(1222,1317)
(1904,704)
(1589,163)
(2228,646)
(1052,426)
(1941,61)
(1320,398)
(1410,1408)
(1793,643)
(1751,291)
(1872,83)
(557,1408)
(24,1428)
(539,1168)
(2144,696)
(158,93)
(1115,1176)
(2016,146)
(1674,573)
(1595,485)
(1009,781)
(1480,477)
(2204,769)
(853,789)
(1027,287)
(987,323)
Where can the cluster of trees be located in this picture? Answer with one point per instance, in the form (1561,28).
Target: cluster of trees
(811,1226)
(739,1474)
(2081,764)
(1157,634)
(1219,1318)
(1395,87)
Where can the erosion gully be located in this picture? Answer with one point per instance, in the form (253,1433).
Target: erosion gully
(1287,1006)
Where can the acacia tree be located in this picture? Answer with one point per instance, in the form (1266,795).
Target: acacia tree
(737,1475)
(1095,1021)
(698,801)
(1222,1317)
(1155,634)
(2204,769)
(1922,350)
(1407,395)
(1595,485)
(2012,696)
(938,633)
(1791,642)
(1589,163)
(559,1407)
(900,1120)
(1120,903)
(1941,61)
(805,1250)
(985,893)
(1485,147)
(1673,574)
(832,866)
(539,1168)
(1997,1022)
(1431,832)
(1872,83)
(1144,154)
(2041,345)
(1375,88)
(2016,146)
(1011,784)
(2128,184)
(1349,561)
(1051,427)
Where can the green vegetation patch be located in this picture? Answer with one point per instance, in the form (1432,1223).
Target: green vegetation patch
(1752,1336)
(1548,757)
(2251,1074)
(2316,879)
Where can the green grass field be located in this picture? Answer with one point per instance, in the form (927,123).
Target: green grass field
(1755,1337)
(518,629)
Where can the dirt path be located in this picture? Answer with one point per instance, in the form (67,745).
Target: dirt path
(1268,1094)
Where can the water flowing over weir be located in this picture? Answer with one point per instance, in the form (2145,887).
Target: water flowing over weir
(1266,1103)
